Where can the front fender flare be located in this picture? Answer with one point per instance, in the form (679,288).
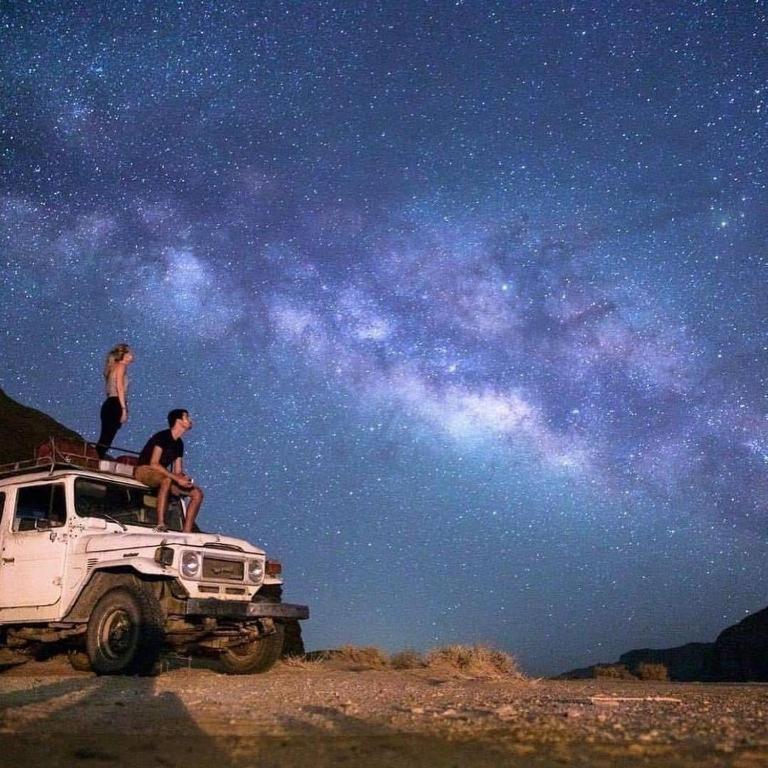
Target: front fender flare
(109,576)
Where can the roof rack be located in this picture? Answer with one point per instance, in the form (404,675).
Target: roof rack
(67,453)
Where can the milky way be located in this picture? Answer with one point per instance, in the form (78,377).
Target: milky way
(468,300)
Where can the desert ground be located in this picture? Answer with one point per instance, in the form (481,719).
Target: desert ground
(340,713)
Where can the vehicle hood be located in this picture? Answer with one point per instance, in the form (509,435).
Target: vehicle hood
(110,542)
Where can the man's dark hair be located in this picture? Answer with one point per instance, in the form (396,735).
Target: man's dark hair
(175,414)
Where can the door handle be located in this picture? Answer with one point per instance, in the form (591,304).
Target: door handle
(9,559)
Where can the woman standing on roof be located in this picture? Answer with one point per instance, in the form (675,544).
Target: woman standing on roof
(114,410)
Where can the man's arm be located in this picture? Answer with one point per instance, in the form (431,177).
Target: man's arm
(178,471)
(177,475)
(154,462)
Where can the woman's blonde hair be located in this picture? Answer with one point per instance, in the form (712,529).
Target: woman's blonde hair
(115,355)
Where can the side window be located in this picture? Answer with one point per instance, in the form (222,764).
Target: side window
(2,505)
(40,507)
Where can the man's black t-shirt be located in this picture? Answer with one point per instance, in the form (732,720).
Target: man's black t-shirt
(172,449)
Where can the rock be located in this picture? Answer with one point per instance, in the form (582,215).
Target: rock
(741,651)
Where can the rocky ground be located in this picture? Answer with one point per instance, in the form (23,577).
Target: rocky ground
(326,714)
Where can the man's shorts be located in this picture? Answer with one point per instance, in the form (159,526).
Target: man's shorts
(148,475)
(153,478)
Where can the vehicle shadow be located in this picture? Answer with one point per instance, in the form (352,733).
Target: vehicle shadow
(103,721)
(333,738)
(127,722)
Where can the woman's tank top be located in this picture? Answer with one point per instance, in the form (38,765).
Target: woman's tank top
(111,384)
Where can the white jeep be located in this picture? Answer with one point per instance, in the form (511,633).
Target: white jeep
(82,569)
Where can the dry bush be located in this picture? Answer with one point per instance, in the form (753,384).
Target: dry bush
(474,661)
(648,671)
(613,672)
(407,659)
(368,656)
(302,662)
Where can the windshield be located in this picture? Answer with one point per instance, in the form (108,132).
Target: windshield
(124,503)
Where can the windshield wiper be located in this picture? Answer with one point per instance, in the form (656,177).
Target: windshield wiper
(115,520)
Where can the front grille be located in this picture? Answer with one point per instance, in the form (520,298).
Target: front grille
(219,569)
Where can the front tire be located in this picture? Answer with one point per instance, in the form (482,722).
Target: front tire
(256,656)
(293,645)
(125,632)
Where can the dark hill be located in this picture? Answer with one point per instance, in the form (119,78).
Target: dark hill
(739,654)
(22,429)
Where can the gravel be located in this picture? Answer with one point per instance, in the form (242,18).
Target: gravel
(329,715)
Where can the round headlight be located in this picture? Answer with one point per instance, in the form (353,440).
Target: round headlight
(190,564)
(255,570)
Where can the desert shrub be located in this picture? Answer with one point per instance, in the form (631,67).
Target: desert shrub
(302,662)
(648,671)
(368,656)
(407,659)
(473,660)
(613,671)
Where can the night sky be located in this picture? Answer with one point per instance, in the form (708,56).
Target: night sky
(467,300)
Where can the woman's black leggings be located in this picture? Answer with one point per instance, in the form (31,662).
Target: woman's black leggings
(111,411)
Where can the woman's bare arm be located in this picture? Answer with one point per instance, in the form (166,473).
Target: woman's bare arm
(120,378)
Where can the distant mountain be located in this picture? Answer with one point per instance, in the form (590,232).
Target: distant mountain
(739,654)
(22,429)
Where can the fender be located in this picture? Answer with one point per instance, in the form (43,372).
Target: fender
(135,564)
(102,581)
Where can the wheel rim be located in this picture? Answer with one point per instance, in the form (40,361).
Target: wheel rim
(118,634)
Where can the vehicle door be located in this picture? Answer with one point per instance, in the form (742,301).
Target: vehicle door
(33,547)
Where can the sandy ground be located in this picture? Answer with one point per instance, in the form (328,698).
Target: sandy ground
(193,717)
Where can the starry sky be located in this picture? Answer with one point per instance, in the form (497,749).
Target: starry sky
(467,299)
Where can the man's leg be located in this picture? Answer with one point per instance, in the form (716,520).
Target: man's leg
(162,500)
(195,500)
